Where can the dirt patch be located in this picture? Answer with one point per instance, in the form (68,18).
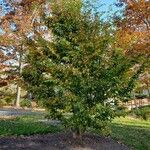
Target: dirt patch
(7,117)
(60,141)
(20,108)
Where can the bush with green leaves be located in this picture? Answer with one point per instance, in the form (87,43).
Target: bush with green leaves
(143,112)
(2,103)
(80,69)
(25,103)
(121,111)
(141,96)
(6,100)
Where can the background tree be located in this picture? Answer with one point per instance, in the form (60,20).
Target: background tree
(19,23)
(80,71)
(143,83)
(135,26)
(134,35)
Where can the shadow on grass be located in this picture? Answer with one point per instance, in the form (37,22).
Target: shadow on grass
(15,127)
(137,137)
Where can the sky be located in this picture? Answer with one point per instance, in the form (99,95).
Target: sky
(106,5)
(5,7)
(108,2)
(107,8)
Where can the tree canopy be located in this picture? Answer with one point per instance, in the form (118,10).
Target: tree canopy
(81,70)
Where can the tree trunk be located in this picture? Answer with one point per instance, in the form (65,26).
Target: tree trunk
(18,96)
(77,134)
(131,105)
(17,102)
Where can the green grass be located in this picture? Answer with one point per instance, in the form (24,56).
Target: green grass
(133,132)
(26,125)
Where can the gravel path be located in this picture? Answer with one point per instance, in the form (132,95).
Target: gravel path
(16,112)
(59,141)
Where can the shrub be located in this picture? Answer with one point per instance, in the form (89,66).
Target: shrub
(121,111)
(141,96)
(143,113)
(7,100)
(2,103)
(40,103)
(25,103)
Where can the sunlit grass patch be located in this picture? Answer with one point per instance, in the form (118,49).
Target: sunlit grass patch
(133,132)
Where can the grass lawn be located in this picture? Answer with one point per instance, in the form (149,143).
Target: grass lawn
(133,132)
(26,125)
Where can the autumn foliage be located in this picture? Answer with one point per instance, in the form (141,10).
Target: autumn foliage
(134,29)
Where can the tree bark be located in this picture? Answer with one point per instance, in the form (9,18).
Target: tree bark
(18,96)
(77,134)
(17,102)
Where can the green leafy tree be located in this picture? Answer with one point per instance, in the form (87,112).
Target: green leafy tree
(79,72)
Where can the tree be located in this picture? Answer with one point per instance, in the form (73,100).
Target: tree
(144,82)
(17,24)
(134,34)
(80,71)
(135,28)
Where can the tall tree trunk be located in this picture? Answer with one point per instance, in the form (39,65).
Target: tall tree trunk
(17,102)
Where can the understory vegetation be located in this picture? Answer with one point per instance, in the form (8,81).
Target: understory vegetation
(142,112)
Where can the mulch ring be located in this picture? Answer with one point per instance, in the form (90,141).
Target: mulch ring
(60,141)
